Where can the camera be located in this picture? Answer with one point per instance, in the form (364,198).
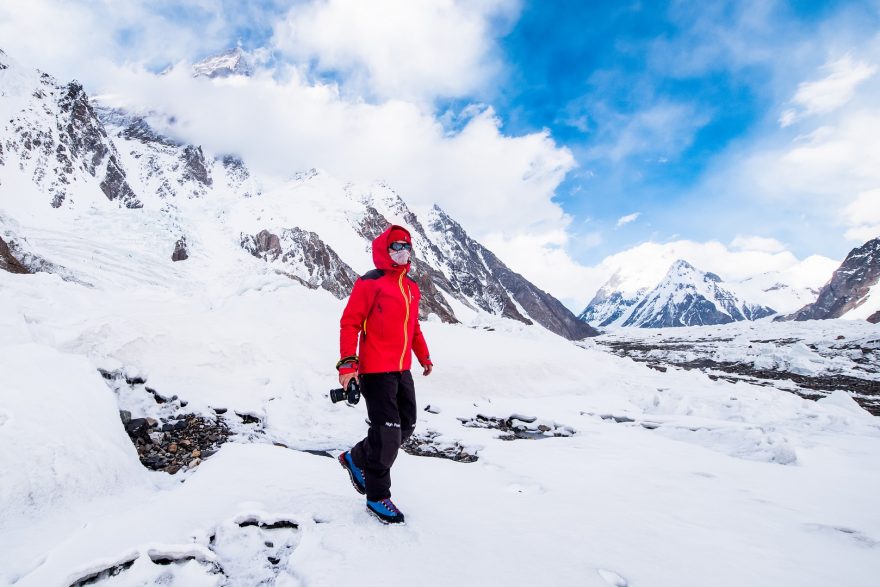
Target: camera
(351,394)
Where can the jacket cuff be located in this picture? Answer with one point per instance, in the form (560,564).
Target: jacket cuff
(347,365)
(426,361)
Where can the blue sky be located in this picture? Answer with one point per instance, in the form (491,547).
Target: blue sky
(586,69)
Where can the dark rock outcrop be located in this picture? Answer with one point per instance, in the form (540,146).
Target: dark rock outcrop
(304,257)
(8,262)
(848,287)
(180,251)
(87,142)
(195,167)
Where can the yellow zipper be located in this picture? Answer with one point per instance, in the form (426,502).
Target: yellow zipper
(405,320)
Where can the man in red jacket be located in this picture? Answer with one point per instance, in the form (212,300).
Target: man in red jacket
(382,318)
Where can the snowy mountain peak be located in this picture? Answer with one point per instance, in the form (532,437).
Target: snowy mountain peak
(229,63)
(686,296)
(690,297)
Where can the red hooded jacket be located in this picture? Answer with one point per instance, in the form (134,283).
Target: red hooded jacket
(382,317)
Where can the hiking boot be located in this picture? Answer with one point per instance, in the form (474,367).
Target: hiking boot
(386,511)
(355,473)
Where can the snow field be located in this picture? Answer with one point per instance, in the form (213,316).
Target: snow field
(698,488)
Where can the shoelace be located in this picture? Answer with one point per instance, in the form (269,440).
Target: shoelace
(387,503)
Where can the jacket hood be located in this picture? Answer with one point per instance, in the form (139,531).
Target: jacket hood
(381,258)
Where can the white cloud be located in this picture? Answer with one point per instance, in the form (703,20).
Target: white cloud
(829,93)
(542,258)
(623,220)
(863,216)
(757,243)
(400,48)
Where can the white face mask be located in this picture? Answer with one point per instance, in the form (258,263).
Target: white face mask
(400,257)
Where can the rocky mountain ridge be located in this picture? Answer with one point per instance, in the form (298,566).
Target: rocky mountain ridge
(853,288)
(65,144)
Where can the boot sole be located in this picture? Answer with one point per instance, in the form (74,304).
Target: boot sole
(351,476)
(401,522)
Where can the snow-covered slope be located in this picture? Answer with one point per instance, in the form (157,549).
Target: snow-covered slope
(690,297)
(203,199)
(789,289)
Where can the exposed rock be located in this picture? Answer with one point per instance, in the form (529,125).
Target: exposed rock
(518,427)
(175,447)
(86,140)
(115,185)
(195,167)
(180,251)
(477,274)
(428,445)
(849,286)
(303,256)
(8,262)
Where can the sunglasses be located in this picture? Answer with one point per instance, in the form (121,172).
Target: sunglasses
(400,246)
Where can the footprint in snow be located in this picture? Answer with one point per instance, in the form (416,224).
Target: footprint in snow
(612,578)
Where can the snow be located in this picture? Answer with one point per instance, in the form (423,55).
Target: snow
(53,423)
(737,486)
(662,479)
(869,305)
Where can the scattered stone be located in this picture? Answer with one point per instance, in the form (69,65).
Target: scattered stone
(179,444)
(135,380)
(432,409)
(427,445)
(220,411)
(840,337)
(248,418)
(136,427)
(268,525)
(152,422)
(274,560)
(103,575)
(125,416)
(517,428)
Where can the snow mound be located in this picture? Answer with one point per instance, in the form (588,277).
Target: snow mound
(60,432)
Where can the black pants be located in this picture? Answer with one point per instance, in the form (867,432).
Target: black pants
(391,408)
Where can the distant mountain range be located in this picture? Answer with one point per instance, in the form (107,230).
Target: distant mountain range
(686,296)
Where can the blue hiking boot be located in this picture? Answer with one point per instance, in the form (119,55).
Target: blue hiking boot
(386,511)
(355,473)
